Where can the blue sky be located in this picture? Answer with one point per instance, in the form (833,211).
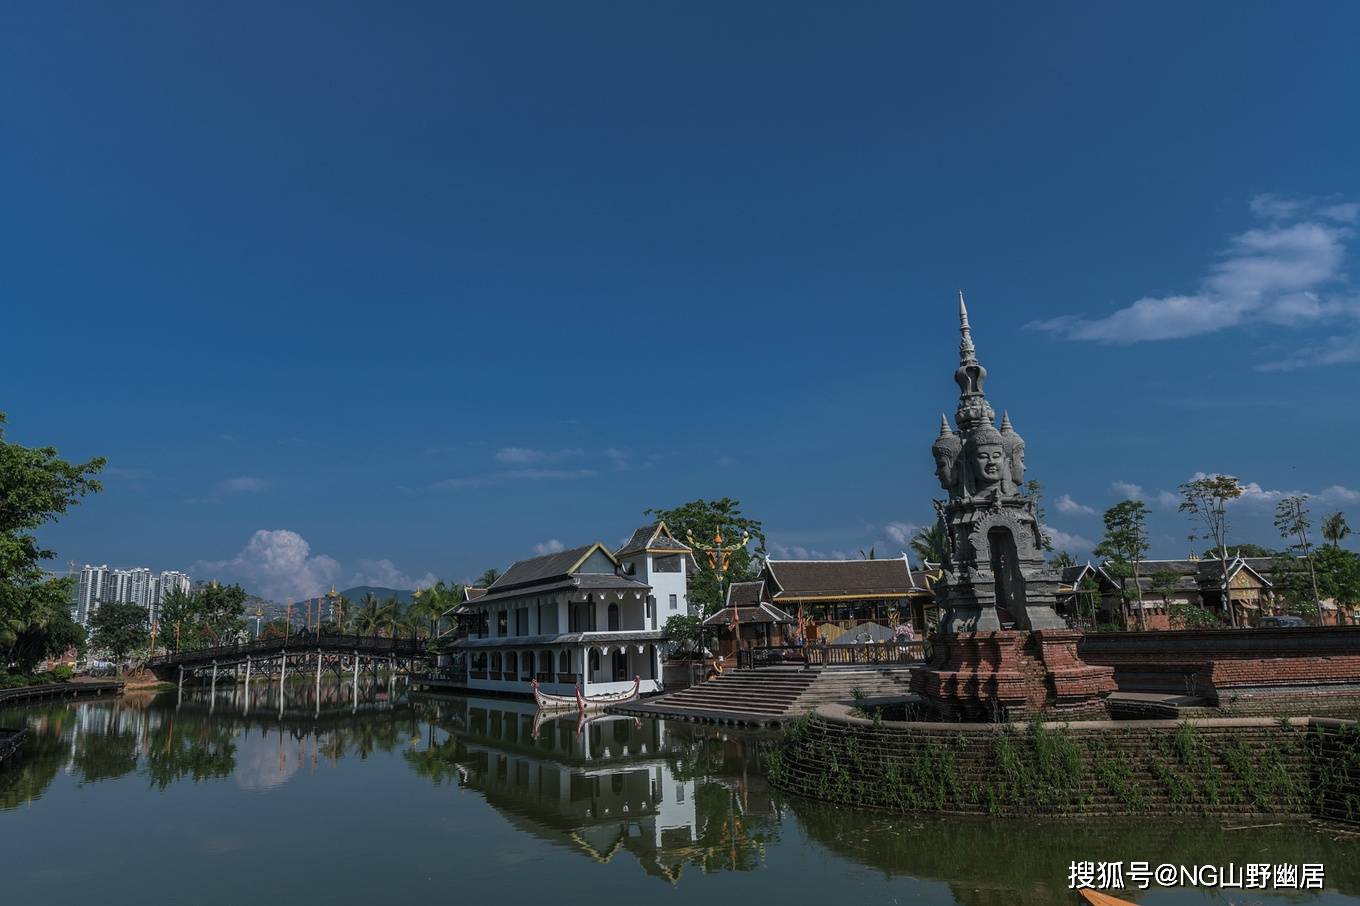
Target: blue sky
(350,291)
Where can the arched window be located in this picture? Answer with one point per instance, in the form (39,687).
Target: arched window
(651,662)
(496,661)
(529,665)
(564,662)
(511,663)
(594,660)
(613,618)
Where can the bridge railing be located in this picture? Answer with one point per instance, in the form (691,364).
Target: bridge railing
(866,653)
(364,644)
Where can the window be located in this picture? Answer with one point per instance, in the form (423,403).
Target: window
(594,660)
(511,663)
(528,665)
(483,623)
(501,619)
(564,662)
(651,608)
(675,602)
(613,618)
(669,564)
(496,661)
(522,621)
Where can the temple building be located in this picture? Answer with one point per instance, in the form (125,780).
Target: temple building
(834,602)
(1091,592)
(585,616)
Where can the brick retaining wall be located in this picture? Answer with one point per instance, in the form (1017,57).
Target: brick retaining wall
(1225,766)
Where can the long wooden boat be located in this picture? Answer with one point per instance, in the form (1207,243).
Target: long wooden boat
(1087,897)
(582,703)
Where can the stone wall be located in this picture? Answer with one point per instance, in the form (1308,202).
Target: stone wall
(1242,766)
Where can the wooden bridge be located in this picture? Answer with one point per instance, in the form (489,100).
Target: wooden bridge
(342,656)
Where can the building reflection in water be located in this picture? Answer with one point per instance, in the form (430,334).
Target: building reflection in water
(668,795)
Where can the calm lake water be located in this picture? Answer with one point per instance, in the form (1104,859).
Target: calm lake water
(432,800)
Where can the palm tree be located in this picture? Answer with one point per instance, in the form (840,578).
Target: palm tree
(1334,529)
(488,578)
(931,544)
(372,615)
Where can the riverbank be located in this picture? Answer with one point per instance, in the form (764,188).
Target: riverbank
(1295,768)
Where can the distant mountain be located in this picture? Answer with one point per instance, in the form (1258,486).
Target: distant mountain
(403,596)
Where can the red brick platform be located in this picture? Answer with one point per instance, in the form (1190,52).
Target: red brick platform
(1012,674)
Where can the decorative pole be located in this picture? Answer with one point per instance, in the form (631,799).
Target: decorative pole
(719,558)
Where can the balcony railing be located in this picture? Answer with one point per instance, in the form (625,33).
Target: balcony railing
(867,653)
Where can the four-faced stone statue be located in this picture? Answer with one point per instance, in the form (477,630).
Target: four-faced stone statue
(946,450)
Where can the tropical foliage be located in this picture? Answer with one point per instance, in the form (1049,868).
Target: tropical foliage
(119,629)
(704,521)
(36,487)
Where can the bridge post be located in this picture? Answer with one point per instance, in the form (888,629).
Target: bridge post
(212,694)
(318,680)
(283,675)
(355,684)
(179,697)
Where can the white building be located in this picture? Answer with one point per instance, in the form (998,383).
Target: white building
(583,617)
(101,585)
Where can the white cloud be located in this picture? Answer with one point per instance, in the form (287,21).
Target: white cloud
(551,546)
(1066,541)
(275,564)
(1168,499)
(1342,349)
(1254,493)
(526,455)
(901,532)
(384,574)
(278,564)
(1127,489)
(1273,274)
(1066,504)
(243,485)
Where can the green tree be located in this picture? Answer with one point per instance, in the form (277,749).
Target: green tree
(1338,575)
(1294,587)
(1035,492)
(1061,560)
(220,612)
(488,578)
(119,629)
(51,638)
(1163,583)
(1126,544)
(1205,500)
(178,620)
(1292,520)
(36,487)
(931,544)
(704,520)
(1335,529)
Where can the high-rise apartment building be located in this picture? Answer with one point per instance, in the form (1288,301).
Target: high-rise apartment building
(101,585)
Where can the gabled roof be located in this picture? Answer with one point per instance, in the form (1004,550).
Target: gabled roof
(745,594)
(761,613)
(843,579)
(655,538)
(546,568)
(472,592)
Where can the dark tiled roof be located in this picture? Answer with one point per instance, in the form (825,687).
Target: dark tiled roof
(746,594)
(655,537)
(762,613)
(582,582)
(839,578)
(540,569)
(472,593)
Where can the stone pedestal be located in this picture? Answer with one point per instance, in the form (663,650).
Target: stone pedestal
(1011,674)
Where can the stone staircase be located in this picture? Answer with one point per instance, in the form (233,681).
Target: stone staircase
(771,695)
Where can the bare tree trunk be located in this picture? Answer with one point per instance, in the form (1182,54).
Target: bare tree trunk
(1138,588)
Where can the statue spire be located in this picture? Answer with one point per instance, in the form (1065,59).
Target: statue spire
(967,354)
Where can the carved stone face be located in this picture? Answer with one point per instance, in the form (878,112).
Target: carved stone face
(944,468)
(988,460)
(1018,465)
